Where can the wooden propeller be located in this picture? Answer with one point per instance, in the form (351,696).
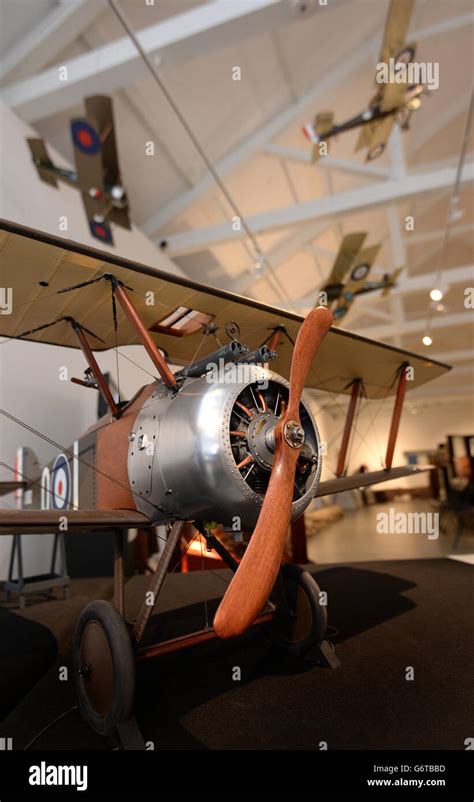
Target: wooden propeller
(257,572)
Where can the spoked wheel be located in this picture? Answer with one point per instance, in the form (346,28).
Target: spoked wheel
(302,622)
(104,667)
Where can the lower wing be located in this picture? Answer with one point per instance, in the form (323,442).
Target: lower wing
(38,522)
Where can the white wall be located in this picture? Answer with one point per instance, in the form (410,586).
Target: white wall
(421,427)
(29,372)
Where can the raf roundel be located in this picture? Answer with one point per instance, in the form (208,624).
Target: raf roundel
(85,137)
(61,483)
(101,231)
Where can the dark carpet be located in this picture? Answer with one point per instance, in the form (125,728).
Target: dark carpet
(386,618)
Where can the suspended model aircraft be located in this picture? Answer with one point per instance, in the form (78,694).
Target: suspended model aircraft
(392,102)
(351,257)
(203,445)
(97,173)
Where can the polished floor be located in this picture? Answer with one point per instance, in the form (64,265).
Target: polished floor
(354,538)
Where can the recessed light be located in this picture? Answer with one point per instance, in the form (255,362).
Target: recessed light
(436,294)
(427,340)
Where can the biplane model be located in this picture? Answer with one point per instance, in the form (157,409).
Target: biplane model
(357,261)
(194,445)
(392,102)
(97,173)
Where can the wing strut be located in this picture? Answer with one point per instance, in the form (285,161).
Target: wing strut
(341,461)
(397,413)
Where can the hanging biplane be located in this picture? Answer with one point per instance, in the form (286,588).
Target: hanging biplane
(357,261)
(238,444)
(97,174)
(392,102)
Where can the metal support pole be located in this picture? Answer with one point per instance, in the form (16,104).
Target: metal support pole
(341,461)
(150,347)
(96,371)
(396,415)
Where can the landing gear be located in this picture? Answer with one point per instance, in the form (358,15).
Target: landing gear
(301,620)
(104,668)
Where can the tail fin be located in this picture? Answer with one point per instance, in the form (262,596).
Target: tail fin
(392,281)
(41,159)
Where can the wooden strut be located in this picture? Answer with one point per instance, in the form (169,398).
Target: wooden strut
(396,414)
(150,347)
(157,580)
(341,461)
(96,371)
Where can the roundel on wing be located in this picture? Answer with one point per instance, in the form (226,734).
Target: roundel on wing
(359,272)
(85,137)
(60,483)
(101,231)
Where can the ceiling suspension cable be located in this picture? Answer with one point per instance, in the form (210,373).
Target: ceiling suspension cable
(260,258)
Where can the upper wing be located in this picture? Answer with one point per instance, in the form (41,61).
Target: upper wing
(350,247)
(64,264)
(396,27)
(375,133)
(87,143)
(29,522)
(361,268)
(99,108)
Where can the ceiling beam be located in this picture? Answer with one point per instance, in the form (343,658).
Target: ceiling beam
(433,236)
(58,29)
(330,162)
(321,209)
(338,74)
(406,286)
(453,356)
(414,326)
(208,27)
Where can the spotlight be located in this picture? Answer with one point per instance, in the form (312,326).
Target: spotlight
(436,295)
(427,340)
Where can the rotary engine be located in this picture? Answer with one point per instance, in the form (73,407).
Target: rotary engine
(206,452)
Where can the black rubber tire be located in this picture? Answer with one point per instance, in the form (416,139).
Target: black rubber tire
(307,620)
(102,635)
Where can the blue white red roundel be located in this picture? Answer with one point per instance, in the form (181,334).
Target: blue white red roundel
(85,137)
(101,231)
(60,483)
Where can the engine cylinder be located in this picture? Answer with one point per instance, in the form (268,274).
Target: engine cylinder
(206,452)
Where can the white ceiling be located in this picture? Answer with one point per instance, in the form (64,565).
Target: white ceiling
(291,67)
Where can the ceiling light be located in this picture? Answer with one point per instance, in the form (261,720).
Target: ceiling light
(440,307)
(259,265)
(427,340)
(436,295)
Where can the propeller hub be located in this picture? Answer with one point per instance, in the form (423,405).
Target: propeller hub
(293,434)
(261,438)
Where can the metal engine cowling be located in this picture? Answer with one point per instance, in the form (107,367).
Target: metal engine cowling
(186,448)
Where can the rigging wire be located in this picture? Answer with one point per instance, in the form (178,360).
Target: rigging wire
(260,257)
(454,197)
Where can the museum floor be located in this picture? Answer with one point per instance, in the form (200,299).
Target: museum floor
(385,615)
(354,538)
